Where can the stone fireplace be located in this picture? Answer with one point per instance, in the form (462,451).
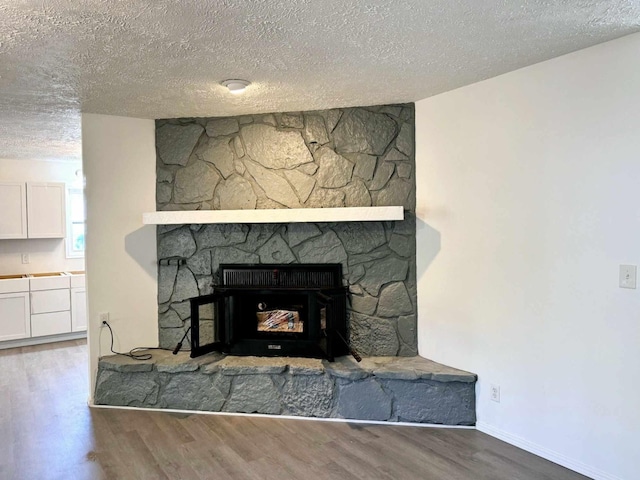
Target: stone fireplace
(348,157)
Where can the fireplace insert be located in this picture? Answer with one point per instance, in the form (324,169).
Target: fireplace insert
(273,310)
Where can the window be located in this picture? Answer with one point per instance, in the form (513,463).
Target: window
(75,222)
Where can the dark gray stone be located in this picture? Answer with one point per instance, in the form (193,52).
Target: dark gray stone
(126,389)
(324,249)
(391,110)
(404,170)
(305,366)
(244,119)
(360,237)
(382,176)
(232,365)
(373,335)
(222,126)
(258,236)
(314,130)
(186,286)
(183,309)
(176,142)
(326,198)
(299,232)
(192,391)
(396,192)
(163,192)
(164,175)
(364,304)
(381,252)
(356,194)
(394,300)
(361,131)
(356,290)
(335,170)
(407,327)
(200,263)
(364,400)
(221,235)
(427,401)
(276,250)
(268,118)
(195,183)
(302,184)
(273,148)
(345,368)
(404,140)
(218,152)
(123,364)
(254,394)
(356,272)
(331,117)
(237,146)
(274,186)
(166,280)
(394,155)
(403,246)
(308,395)
(169,337)
(177,243)
(170,319)
(291,120)
(236,194)
(231,255)
(384,271)
(365,165)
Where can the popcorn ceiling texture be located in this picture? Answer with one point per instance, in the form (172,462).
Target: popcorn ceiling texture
(330,158)
(165,59)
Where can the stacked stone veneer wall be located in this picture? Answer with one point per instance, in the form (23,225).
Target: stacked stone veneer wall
(335,158)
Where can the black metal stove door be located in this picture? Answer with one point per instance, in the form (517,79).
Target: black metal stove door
(332,305)
(208,324)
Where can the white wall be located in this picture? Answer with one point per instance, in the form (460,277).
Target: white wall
(45,254)
(119,165)
(529,194)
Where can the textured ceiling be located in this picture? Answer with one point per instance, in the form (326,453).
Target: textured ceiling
(165,58)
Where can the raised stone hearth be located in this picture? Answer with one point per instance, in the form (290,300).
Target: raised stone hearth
(395,389)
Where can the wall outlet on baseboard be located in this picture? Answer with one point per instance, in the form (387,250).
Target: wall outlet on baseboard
(494,392)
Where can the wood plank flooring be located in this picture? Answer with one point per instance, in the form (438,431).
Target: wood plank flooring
(48,432)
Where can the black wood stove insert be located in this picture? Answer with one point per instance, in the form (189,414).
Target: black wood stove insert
(273,310)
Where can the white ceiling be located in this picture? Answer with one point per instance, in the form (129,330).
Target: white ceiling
(165,58)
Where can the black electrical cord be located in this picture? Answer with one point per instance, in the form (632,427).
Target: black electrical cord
(132,353)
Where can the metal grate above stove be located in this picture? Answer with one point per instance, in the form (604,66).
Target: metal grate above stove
(283,276)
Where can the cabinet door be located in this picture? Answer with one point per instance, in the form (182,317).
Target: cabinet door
(13,205)
(78,309)
(46,210)
(14,316)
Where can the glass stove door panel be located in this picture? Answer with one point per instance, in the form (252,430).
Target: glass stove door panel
(208,332)
(265,313)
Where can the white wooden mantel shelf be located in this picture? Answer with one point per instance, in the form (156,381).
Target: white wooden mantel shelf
(284,215)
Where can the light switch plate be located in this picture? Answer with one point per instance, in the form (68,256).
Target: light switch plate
(627,276)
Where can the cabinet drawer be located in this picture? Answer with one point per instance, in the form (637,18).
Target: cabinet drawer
(49,283)
(77,281)
(50,323)
(13,285)
(47,301)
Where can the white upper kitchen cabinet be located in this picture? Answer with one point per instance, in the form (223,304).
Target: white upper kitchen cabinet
(46,210)
(13,205)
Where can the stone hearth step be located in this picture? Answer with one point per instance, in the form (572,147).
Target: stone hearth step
(395,389)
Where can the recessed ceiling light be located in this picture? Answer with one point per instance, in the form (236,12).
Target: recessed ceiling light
(236,86)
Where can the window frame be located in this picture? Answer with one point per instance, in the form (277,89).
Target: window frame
(70,251)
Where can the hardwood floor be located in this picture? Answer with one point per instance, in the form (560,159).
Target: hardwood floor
(48,432)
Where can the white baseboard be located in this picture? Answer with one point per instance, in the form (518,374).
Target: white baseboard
(545,453)
(25,342)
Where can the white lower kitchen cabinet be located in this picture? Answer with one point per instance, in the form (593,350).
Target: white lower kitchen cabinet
(14,316)
(50,323)
(78,309)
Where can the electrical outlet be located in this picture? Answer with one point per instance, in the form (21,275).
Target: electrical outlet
(495,393)
(104,317)
(627,276)
(26,258)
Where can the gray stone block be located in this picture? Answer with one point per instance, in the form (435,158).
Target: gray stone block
(302,184)
(183,309)
(393,155)
(308,395)
(362,131)
(407,329)
(395,193)
(218,152)
(170,319)
(363,400)
(163,192)
(326,198)
(324,249)
(274,186)
(382,176)
(308,168)
(164,175)
(231,255)
(364,304)
(334,170)
(384,271)
(360,237)
(276,250)
(365,165)
(273,148)
(126,389)
(254,394)
(236,193)
(221,235)
(191,391)
(402,245)
(291,120)
(346,368)
(331,117)
(200,263)
(305,366)
(356,194)
(186,286)
(239,148)
(124,364)
(166,280)
(176,142)
(169,337)
(404,140)
(314,130)
(258,235)
(222,126)
(394,300)
(248,365)
(299,232)
(195,183)
(404,170)
(177,243)
(427,401)
(373,335)
(391,110)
